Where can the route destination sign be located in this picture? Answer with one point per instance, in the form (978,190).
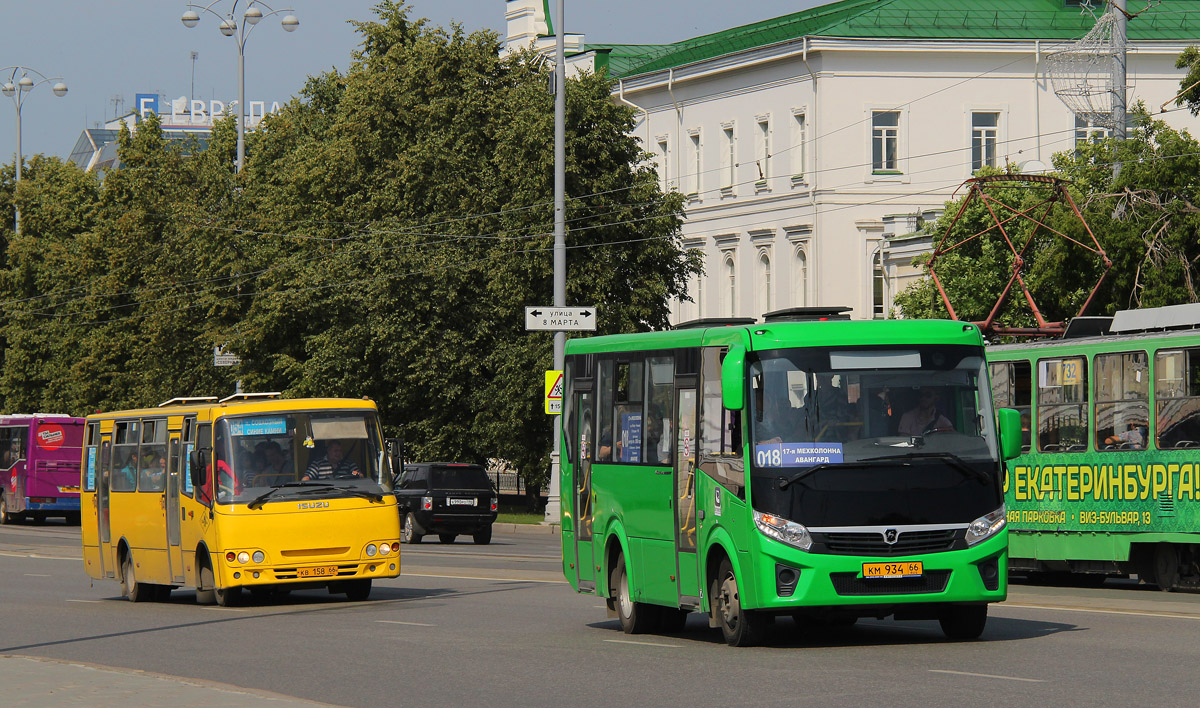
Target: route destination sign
(560,318)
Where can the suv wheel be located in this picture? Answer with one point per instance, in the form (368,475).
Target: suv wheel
(447,537)
(411,534)
(483,537)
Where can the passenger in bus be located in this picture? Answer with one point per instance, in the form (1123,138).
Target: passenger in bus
(925,416)
(154,473)
(658,437)
(333,465)
(276,463)
(1133,438)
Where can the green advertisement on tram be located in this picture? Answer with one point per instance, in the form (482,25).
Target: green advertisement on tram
(806,466)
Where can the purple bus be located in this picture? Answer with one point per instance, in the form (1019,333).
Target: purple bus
(40,458)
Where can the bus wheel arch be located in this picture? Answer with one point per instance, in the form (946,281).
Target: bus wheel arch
(6,517)
(614,552)
(206,586)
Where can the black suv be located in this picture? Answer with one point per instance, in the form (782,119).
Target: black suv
(446,498)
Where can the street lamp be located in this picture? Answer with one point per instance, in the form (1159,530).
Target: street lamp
(17,91)
(230,28)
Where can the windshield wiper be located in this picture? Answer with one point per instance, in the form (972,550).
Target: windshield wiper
(262,498)
(785,483)
(365,494)
(955,461)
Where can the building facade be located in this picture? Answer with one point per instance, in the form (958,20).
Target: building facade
(813,147)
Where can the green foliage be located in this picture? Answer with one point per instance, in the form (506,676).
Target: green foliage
(388,229)
(1144,218)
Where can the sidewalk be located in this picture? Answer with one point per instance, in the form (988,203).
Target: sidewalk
(36,683)
(544,529)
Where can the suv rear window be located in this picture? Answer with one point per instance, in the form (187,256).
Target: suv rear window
(459,478)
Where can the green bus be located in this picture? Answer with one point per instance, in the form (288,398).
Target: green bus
(750,470)
(1107,482)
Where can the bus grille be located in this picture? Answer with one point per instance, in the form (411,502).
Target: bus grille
(851,584)
(872,543)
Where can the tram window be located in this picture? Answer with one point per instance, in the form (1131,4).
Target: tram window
(1177,398)
(1062,405)
(1012,387)
(1122,385)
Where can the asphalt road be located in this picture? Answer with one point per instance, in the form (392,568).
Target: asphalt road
(497,626)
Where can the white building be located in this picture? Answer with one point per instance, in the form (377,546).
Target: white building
(806,142)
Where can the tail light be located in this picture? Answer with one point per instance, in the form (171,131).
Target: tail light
(495,503)
(426,503)
(231,556)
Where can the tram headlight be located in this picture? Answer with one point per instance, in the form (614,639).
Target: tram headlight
(780,529)
(243,557)
(986,526)
(370,549)
(259,557)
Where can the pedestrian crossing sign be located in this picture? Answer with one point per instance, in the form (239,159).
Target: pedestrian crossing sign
(554,392)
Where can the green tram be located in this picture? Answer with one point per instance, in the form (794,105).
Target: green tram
(1107,482)
(750,470)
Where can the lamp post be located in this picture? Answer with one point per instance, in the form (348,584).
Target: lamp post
(16,89)
(230,28)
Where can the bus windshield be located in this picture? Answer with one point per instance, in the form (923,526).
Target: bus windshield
(297,451)
(897,430)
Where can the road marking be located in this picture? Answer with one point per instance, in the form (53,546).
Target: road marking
(968,673)
(410,624)
(644,644)
(1135,613)
(225,609)
(31,554)
(38,575)
(475,577)
(88,601)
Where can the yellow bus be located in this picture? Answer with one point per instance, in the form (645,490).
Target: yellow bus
(251,492)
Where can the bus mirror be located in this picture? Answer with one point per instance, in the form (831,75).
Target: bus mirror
(733,378)
(1010,433)
(197,465)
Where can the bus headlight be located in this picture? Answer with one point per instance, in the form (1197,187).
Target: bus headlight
(370,550)
(985,526)
(780,529)
(259,557)
(243,557)
(384,549)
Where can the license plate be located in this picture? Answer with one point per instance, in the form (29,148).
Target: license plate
(907,569)
(319,571)
(462,502)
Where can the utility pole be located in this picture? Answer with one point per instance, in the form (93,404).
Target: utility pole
(1119,39)
(553,503)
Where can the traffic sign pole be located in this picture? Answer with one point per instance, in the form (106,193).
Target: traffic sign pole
(553,510)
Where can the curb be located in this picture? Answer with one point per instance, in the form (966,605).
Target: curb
(543,529)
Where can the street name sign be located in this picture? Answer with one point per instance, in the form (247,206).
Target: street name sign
(560,318)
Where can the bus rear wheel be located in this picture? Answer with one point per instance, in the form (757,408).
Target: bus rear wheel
(6,517)
(636,617)
(130,587)
(963,621)
(740,627)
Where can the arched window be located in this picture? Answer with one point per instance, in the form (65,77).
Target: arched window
(877,304)
(731,285)
(764,282)
(801,278)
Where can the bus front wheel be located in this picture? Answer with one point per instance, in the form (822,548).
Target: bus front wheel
(636,617)
(205,593)
(740,627)
(963,621)
(358,590)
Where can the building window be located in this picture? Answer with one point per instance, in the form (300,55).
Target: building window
(731,285)
(764,282)
(799,136)
(885,141)
(984,127)
(695,164)
(729,157)
(877,289)
(801,278)
(1088,132)
(664,163)
(763,149)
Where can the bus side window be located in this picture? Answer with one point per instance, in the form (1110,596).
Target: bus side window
(204,493)
(1012,387)
(720,429)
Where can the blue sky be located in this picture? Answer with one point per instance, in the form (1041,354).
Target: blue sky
(109,50)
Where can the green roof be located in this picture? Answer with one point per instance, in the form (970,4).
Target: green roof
(1058,20)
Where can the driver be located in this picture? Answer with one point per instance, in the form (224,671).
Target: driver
(924,417)
(333,465)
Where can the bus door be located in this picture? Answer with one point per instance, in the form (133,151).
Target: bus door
(582,492)
(685,495)
(175,466)
(102,508)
